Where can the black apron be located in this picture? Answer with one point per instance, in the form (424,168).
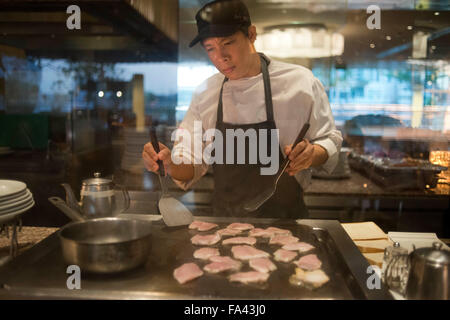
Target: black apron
(236,183)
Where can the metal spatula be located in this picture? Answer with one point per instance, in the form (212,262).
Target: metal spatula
(253,204)
(173,212)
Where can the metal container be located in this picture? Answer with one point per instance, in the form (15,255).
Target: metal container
(98,198)
(106,245)
(429,273)
(397,174)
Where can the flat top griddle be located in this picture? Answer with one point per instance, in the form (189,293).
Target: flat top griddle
(41,271)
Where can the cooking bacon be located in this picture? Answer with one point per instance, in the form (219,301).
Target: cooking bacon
(187,272)
(205,240)
(298,246)
(258,232)
(283,239)
(202,226)
(195,224)
(240,226)
(314,279)
(240,240)
(283,255)
(309,262)
(278,232)
(249,277)
(206,253)
(220,264)
(228,232)
(262,264)
(245,252)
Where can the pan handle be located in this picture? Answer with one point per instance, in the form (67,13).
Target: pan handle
(69,212)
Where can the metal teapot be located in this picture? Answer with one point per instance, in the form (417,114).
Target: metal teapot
(97,198)
(429,274)
(427,271)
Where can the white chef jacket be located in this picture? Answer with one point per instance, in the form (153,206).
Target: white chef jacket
(298,97)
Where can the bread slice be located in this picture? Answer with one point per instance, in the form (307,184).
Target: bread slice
(372,246)
(374,258)
(364,231)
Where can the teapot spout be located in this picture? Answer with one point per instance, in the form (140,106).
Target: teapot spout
(71,200)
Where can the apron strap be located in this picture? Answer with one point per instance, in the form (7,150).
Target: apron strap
(267,88)
(267,91)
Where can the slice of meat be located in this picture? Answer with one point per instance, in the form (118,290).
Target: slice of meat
(279,232)
(245,252)
(258,232)
(298,246)
(309,262)
(249,277)
(228,232)
(240,240)
(314,279)
(206,253)
(223,259)
(283,240)
(240,226)
(187,272)
(262,265)
(206,226)
(284,255)
(202,226)
(195,224)
(205,240)
(220,264)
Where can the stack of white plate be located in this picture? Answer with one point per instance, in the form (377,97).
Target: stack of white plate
(15,199)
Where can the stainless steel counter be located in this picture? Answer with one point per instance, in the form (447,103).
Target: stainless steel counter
(40,272)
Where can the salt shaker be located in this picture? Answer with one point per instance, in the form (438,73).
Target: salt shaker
(394,271)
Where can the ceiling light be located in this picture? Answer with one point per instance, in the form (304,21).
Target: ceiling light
(300,41)
(119,94)
(101,94)
(388,38)
(436,13)
(409,27)
(372,45)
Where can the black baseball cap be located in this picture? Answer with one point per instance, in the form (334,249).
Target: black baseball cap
(221,18)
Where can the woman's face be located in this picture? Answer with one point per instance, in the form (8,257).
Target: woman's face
(234,56)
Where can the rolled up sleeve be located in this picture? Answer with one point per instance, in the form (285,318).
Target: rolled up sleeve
(322,130)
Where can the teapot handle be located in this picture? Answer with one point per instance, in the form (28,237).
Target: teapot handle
(126,197)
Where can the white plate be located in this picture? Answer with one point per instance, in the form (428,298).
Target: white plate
(11,187)
(14,196)
(12,209)
(6,217)
(16,203)
(18,197)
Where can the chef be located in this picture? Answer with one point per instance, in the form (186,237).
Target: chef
(250,92)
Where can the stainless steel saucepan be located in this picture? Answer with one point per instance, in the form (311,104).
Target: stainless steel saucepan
(103,245)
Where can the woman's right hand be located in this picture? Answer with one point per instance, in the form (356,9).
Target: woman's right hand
(151,157)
